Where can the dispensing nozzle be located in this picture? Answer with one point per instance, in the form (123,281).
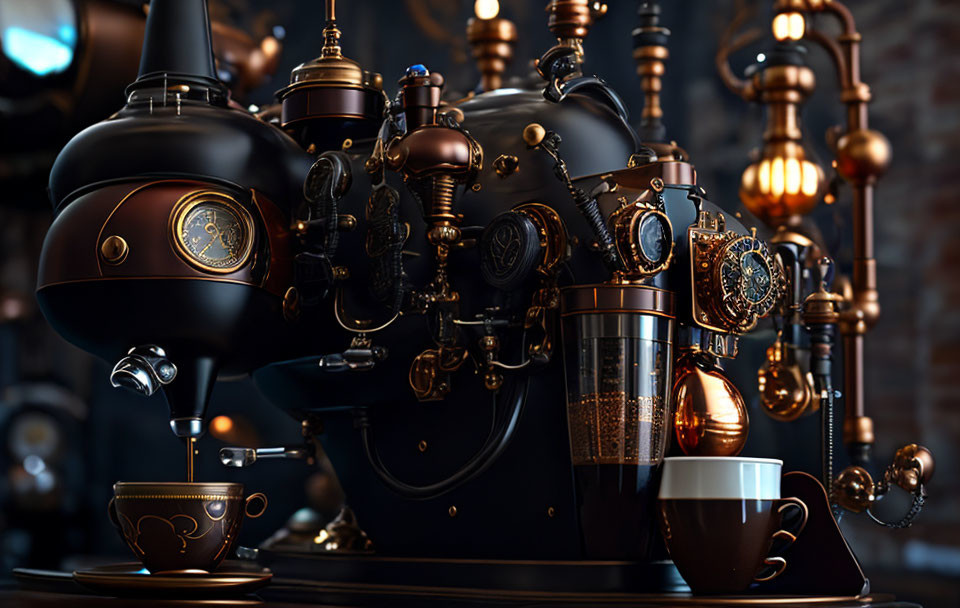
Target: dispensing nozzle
(144,370)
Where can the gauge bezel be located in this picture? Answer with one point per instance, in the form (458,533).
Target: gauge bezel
(625,223)
(734,302)
(194,199)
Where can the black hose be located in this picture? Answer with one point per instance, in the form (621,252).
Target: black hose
(590,210)
(821,364)
(515,392)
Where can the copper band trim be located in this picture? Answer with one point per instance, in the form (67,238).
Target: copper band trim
(586,299)
(178,497)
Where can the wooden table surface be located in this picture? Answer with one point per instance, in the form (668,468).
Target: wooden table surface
(13,597)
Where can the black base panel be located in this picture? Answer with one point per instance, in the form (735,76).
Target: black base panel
(472,574)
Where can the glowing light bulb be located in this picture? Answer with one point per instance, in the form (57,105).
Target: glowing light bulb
(788,26)
(763,176)
(792,176)
(777,177)
(797,26)
(811,178)
(486,9)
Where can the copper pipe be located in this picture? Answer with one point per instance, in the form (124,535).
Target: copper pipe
(728,47)
(863,310)
(833,49)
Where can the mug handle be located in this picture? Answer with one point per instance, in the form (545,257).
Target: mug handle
(112,514)
(246,505)
(778,562)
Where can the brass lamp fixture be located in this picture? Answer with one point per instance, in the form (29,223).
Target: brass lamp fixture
(783,185)
(492,38)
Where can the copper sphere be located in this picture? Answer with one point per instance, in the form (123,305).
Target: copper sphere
(912,466)
(853,489)
(786,393)
(862,155)
(711,418)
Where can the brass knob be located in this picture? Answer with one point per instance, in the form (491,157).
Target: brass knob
(533,134)
(114,249)
(912,466)
(854,489)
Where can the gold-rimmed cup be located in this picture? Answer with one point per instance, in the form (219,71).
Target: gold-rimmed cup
(181,527)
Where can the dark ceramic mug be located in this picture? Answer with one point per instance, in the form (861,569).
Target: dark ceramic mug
(720,516)
(181,527)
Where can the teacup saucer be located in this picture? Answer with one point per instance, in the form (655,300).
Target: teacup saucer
(132,580)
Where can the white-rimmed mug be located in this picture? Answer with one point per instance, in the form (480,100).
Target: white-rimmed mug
(720,516)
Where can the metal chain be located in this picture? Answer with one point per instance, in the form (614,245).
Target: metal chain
(907,520)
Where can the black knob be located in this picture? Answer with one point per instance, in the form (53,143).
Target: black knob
(509,250)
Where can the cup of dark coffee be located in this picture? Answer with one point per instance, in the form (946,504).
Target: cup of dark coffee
(181,527)
(720,516)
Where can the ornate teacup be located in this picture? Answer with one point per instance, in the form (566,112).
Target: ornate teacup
(180,527)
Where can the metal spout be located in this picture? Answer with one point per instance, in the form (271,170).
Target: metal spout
(244,457)
(144,370)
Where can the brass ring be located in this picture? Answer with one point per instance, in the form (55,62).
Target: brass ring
(246,505)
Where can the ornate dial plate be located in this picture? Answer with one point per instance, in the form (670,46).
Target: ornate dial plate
(748,279)
(212,231)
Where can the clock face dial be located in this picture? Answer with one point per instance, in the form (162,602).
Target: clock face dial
(214,234)
(746,278)
(653,236)
(755,276)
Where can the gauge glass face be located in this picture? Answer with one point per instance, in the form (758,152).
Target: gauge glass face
(215,235)
(653,238)
(745,273)
(756,276)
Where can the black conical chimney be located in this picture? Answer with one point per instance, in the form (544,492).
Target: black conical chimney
(177,44)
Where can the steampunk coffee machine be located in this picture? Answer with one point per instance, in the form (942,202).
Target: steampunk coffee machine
(412,278)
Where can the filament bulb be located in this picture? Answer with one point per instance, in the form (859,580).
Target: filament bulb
(486,9)
(788,26)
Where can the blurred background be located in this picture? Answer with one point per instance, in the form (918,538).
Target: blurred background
(66,435)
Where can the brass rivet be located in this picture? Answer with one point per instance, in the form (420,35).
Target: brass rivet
(347,144)
(311,149)
(346,222)
(533,134)
(114,249)
(452,511)
(476,187)
(551,511)
(291,304)
(422,446)
(341,273)
(657,184)
(455,113)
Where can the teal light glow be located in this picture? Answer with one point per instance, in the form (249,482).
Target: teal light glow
(40,54)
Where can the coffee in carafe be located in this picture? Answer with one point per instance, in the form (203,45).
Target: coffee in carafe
(618,342)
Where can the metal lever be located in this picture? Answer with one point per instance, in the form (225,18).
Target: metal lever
(362,355)
(244,457)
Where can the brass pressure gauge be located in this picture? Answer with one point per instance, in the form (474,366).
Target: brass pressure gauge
(212,231)
(644,238)
(736,279)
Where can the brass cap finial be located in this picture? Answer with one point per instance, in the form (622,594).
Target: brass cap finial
(570,20)
(492,41)
(331,35)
